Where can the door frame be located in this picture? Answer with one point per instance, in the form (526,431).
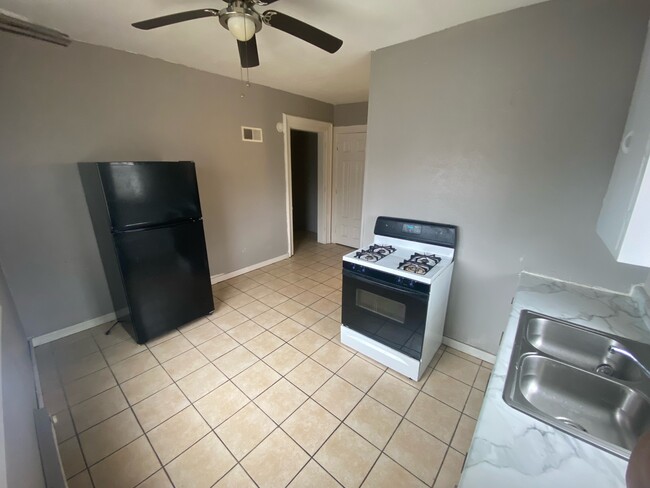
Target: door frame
(346,129)
(325,140)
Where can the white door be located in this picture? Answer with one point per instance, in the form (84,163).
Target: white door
(349,161)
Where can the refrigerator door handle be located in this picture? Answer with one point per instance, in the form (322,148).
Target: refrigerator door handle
(171,223)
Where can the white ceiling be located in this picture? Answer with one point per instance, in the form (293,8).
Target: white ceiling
(287,63)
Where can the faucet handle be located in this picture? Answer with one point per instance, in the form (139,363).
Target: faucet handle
(624,352)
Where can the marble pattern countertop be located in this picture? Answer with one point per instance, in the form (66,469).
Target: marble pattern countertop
(511,449)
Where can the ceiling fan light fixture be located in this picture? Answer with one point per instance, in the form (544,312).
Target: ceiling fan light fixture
(241,26)
(242,20)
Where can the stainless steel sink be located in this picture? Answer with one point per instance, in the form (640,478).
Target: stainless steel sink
(580,347)
(567,376)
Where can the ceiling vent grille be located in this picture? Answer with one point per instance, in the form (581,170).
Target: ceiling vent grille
(251,134)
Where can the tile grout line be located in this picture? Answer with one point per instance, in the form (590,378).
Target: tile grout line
(341,422)
(192,404)
(74,426)
(213,430)
(131,406)
(449,446)
(144,434)
(78,434)
(283,376)
(402,419)
(261,393)
(309,397)
(349,427)
(261,358)
(462,412)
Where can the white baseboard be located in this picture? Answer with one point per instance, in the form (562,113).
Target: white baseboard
(226,276)
(73,329)
(472,351)
(89,324)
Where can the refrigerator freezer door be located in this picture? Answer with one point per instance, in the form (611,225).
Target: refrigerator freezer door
(149,194)
(166,277)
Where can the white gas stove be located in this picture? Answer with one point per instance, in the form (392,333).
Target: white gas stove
(408,259)
(395,293)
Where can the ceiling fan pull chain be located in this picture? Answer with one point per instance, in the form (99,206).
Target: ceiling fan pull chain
(241,78)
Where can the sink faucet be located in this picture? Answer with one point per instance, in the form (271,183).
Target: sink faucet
(628,354)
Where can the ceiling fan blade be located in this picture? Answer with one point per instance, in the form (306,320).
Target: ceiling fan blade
(302,30)
(248,53)
(175,18)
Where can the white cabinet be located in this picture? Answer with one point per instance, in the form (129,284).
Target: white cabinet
(624,222)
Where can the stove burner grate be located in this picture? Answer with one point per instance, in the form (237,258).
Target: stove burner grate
(374,253)
(411,267)
(419,263)
(371,257)
(422,258)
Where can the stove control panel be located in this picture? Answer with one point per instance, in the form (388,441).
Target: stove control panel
(417,230)
(387,278)
(412,229)
(406,282)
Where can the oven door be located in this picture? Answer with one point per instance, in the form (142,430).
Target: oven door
(385,312)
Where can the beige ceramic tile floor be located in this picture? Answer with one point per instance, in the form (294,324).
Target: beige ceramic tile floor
(261,393)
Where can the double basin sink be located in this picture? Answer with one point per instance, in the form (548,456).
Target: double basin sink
(592,385)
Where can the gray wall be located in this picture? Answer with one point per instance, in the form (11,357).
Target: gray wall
(22,458)
(508,127)
(89,103)
(351,114)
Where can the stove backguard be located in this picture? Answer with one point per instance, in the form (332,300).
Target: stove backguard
(417,230)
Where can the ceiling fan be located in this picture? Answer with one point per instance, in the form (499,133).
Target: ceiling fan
(17,24)
(243,22)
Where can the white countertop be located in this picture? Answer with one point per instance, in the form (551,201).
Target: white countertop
(512,449)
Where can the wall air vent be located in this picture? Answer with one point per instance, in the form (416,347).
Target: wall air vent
(15,24)
(251,134)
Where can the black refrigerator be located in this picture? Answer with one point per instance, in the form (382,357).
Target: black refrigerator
(149,229)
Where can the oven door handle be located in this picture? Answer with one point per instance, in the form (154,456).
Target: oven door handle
(414,293)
